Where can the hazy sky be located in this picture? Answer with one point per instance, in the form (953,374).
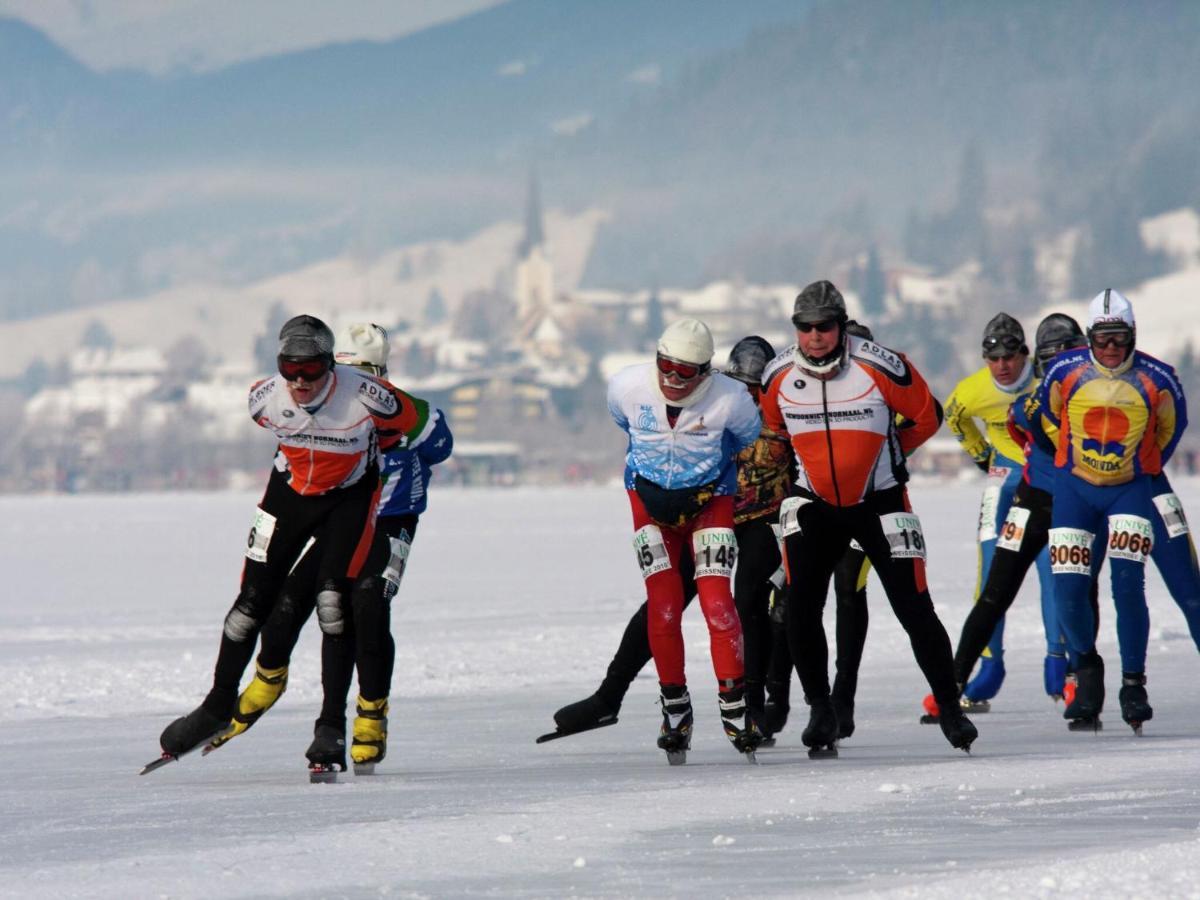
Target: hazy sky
(158,35)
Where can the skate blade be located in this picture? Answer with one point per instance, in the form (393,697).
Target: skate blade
(928,719)
(1085,725)
(975,706)
(319,774)
(829,751)
(751,758)
(767,743)
(676,757)
(1136,726)
(170,758)
(560,733)
(364,768)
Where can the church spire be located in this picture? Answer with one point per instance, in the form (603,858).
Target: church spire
(535,236)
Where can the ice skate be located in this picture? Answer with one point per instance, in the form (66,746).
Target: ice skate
(739,725)
(326,754)
(1083,712)
(845,715)
(977,695)
(261,694)
(675,736)
(974,706)
(821,734)
(932,713)
(1054,675)
(189,732)
(775,711)
(582,715)
(958,729)
(370,735)
(1135,705)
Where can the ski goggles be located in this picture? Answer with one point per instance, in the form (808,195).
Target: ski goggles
(310,368)
(1122,338)
(685,371)
(824,327)
(998,346)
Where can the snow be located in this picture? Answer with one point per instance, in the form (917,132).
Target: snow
(512,606)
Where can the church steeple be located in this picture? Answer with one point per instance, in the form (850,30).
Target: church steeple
(535,235)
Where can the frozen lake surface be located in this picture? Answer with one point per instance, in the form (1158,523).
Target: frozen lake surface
(512,606)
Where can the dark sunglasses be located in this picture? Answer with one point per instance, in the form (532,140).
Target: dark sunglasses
(823,327)
(679,368)
(310,368)
(1008,343)
(1107,339)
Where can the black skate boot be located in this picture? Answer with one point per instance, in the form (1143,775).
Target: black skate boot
(1135,706)
(326,754)
(775,710)
(584,715)
(676,734)
(958,729)
(1083,712)
(844,706)
(189,732)
(738,723)
(821,734)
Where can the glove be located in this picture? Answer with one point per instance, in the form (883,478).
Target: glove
(1054,674)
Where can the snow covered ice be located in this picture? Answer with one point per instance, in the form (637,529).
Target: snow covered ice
(512,606)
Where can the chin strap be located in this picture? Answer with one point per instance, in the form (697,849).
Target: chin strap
(1021,383)
(820,370)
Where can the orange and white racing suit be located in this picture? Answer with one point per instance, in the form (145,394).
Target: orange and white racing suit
(850,460)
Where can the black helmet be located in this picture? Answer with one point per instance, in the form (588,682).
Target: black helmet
(819,302)
(858,329)
(748,358)
(1056,333)
(305,337)
(1003,335)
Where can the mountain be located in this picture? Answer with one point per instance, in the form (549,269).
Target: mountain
(764,138)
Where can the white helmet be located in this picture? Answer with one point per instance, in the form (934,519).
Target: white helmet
(1110,310)
(363,345)
(687,340)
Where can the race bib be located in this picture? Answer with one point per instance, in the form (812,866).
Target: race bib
(1071,551)
(1170,507)
(904,536)
(397,560)
(651,551)
(1130,537)
(789,515)
(715,550)
(260,536)
(1013,532)
(989,508)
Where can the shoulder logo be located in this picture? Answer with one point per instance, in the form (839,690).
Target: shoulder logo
(378,394)
(881,359)
(799,384)
(287,414)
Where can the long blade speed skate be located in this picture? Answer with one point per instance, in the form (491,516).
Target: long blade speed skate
(567,732)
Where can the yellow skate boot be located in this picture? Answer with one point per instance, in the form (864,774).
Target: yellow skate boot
(260,694)
(370,735)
